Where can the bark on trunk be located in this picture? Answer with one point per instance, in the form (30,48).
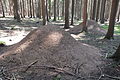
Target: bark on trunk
(102,19)
(73,2)
(43,12)
(94,10)
(114,9)
(66,14)
(85,16)
(98,10)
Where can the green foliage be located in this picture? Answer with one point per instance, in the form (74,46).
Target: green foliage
(2,43)
(117,28)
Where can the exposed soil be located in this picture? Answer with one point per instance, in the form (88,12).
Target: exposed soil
(92,26)
(52,46)
(68,59)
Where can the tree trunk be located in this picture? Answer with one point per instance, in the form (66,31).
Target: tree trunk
(98,10)
(54,10)
(43,11)
(15,7)
(30,9)
(118,16)
(66,26)
(94,10)
(85,16)
(114,9)
(39,9)
(3,11)
(21,9)
(10,5)
(102,18)
(63,7)
(58,9)
(116,55)
(72,12)
(49,9)
(33,9)
(80,9)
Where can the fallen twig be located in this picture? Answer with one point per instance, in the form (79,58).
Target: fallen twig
(29,66)
(118,78)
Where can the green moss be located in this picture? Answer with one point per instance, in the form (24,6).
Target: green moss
(2,43)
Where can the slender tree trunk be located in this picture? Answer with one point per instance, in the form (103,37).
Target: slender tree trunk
(49,9)
(23,8)
(91,10)
(33,9)
(72,12)
(80,8)
(39,9)
(66,26)
(85,16)
(15,7)
(94,10)
(63,8)
(58,12)
(98,10)
(102,18)
(30,9)
(10,4)
(43,12)
(114,9)
(3,11)
(54,10)
(118,16)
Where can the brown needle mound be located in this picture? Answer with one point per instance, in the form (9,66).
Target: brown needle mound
(92,26)
(51,48)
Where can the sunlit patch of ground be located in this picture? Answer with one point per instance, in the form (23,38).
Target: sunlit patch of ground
(13,37)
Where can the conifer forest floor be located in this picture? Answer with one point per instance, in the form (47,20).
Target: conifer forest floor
(13,32)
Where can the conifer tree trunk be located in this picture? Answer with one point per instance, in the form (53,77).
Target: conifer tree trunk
(23,8)
(10,5)
(49,9)
(118,16)
(66,26)
(98,10)
(43,11)
(15,7)
(94,10)
(3,11)
(102,18)
(58,10)
(72,12)
(54,10)
(85,16)
(114,9)
(39,9)
(30,9)
(33,9)
(63,8)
